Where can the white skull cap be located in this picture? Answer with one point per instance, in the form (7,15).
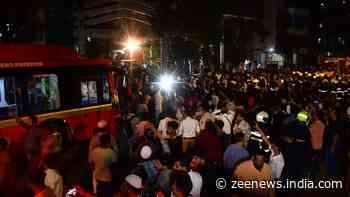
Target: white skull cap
(262,117)
(146,152)
(134,180)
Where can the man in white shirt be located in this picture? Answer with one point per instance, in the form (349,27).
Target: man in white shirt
(165,133)
(197,183)
(276,161)
(102,158)
(241,126)
(188,130)
(206,116)
(53,179)
(227,117)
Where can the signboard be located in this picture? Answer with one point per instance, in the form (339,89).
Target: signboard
(21,64)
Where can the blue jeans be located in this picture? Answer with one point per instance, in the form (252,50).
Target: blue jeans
(104,189)
(330,162)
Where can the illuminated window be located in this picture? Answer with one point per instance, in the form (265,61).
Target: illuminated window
(2,93)
(88,92)
(105,89)
(42,93)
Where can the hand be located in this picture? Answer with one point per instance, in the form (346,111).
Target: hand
(158,165)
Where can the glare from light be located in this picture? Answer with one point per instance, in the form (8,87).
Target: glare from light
(132,45)
(271,49)
(166,82)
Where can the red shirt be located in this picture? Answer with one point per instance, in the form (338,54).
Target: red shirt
(211,144)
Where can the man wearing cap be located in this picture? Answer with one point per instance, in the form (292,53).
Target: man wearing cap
(132,186)
(167,131)
(258,138)
(226,116)
(297,148)
(147,164)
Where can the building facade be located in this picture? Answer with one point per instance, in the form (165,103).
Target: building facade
(295,32)
(332,28)
(104,26)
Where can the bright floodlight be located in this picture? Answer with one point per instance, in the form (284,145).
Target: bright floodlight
(166,82)
(132,45)
(271,50)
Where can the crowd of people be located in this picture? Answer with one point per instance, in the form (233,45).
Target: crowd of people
(263,125)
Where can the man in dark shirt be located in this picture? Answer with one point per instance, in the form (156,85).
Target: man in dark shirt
(210,143)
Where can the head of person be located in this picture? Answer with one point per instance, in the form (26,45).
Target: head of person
(181,165)
(223,106)
(262,120)
(172,127)
(317,115)
(238,138)
(205,107)
(37,180)
(259,159)
(275,146)
(132,186)
(105,140)
(219,123)
(197,160)
(51,161)
(149,134)
(181,185)
(211,127)
(239,115)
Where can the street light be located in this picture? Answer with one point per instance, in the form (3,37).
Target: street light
(271,50)
(132,45)
(166,82)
